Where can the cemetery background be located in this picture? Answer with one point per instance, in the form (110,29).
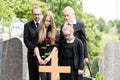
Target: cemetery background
(97,35)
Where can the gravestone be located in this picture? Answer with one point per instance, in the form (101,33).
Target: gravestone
(24,61)
(54,69)
(109,64)
(0,55)
(12,60)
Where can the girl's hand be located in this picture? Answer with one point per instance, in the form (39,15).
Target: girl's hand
(80,72)
(47,59)
(41,61)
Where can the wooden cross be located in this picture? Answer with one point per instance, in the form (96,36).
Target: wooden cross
(54,69)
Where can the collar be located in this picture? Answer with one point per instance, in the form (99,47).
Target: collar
(74,21)
(37,22)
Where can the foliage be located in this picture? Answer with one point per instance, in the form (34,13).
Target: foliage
(93,38)
(93,35)
(22,9)
(17,9)
(6,15)
(89,20)
(99,77)
(57,6)
(101,25)
(118,25)
(94,66)
(46,44)
(111,23)
(114,23)
(6,12)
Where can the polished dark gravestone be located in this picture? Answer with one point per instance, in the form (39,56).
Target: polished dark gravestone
(12,59)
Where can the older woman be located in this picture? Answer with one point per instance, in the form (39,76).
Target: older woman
(79,28)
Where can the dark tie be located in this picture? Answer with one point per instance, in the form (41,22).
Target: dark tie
(37,24)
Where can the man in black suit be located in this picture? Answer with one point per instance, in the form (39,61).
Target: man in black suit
(29,34)
(79,28)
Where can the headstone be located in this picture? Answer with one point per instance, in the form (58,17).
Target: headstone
(54,69)
(0,56)
(12,60)
(109,64)
(24,61)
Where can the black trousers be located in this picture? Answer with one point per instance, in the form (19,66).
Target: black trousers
(33,69)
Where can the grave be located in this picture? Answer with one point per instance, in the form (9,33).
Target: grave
(13,59)
(109,64)
(54,69)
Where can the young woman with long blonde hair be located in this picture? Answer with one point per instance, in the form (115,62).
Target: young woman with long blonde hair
(46,42)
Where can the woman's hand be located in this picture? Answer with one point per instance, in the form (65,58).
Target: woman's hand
(86,60)
(80,72)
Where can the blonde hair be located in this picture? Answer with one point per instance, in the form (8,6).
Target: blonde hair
(69,9)
(52,29)
(67,28)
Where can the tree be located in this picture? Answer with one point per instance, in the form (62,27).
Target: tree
(17,9)
(57,6)
(6,15)
(114,23)
(118,26)
(93,35)
(101,25)
(111,23)
(22,10)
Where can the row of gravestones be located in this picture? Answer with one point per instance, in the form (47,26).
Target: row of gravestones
(13,62)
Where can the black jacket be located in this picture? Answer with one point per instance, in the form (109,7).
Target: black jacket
(79,31)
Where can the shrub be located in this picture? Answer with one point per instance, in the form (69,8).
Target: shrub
(94,67)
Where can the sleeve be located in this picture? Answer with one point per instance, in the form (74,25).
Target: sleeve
(81,55)
(26,36)
(36,39)
(57,39)
(83,38)
(60,51)
(61,35)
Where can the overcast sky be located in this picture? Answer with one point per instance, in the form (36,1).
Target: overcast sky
(107,9)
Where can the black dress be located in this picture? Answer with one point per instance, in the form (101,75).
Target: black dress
(71,54)
(45,49)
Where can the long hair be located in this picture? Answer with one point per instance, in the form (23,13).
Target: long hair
(52,29)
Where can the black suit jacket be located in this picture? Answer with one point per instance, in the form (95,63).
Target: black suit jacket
(29,34)
(79,31)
